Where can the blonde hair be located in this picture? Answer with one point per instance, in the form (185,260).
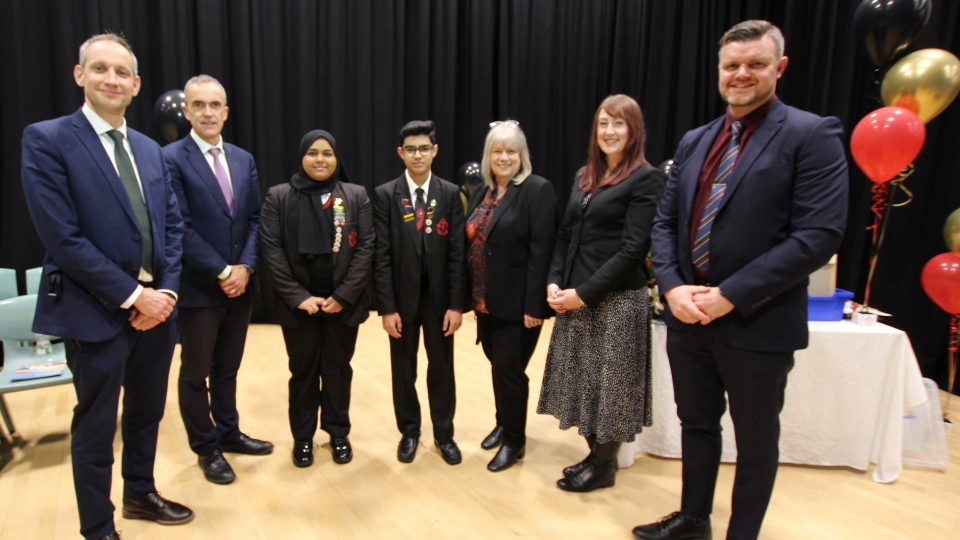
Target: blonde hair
(508,134)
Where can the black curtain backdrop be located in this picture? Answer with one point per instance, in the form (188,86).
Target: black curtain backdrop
(362,69)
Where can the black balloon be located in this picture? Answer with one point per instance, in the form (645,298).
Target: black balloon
(168,116)
(469,177)
(887,27)
(665,166)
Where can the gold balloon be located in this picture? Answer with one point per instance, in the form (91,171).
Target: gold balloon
(951,231)
(925,81)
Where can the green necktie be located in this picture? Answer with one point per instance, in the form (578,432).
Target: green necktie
(130,184)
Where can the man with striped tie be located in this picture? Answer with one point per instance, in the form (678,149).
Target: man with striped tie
(756,200)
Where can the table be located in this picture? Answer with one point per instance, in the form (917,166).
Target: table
(845,401)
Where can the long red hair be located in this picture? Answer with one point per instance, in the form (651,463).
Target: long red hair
(595,173)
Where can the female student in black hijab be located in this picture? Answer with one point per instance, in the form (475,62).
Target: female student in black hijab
(317,242)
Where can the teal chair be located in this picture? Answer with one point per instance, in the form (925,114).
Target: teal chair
(19,350)
(33,280)
(8,283)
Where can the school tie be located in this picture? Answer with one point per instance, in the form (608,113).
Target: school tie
(222,179)
(421,212)
(129,179)
(701,246)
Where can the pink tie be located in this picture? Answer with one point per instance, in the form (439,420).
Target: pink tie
(222,179)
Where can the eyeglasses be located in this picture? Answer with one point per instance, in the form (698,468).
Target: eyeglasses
(513,123)
(411,151)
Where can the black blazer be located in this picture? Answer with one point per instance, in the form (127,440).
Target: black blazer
(397,270)
(352,265)
(520,239)
(603,248)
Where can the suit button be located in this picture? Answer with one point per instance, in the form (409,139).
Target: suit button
(136,238)
(489,254)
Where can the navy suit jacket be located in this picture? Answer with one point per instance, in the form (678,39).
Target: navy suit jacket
(212,237)
(781,218)
(397,271)
(86,223)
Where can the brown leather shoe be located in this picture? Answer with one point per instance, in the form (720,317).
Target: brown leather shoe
(153,507)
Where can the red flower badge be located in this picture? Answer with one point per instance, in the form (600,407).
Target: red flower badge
(442,227)
(352,238)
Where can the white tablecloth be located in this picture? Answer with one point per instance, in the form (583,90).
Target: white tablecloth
(845,401)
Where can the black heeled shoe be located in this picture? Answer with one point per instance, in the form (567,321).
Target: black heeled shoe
(506,457)
(596,474)
(493,440)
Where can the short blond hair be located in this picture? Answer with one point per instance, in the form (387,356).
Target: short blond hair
(509,134)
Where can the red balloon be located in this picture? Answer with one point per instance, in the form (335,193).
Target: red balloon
(886,141)
(941,281)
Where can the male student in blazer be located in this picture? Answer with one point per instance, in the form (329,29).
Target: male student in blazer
(764,189)
(219,194)
(420,281)
(101,201)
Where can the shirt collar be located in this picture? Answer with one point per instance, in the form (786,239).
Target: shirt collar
(204,145)
(752,120)
(412,186)
(100,125)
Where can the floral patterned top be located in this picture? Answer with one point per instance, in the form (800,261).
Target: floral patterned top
(477,242)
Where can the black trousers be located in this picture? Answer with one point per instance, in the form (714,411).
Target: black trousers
(138,362)
(211,346)
(441,387)
(703,368)
(320,348)
(509,346)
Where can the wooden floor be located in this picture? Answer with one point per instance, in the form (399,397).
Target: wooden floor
(375,496)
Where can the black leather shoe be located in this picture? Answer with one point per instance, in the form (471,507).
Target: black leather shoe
(574,469)
(216,469)
(112,536)
(595,474)
(676,526)
(303,453)
(450,452)
(342,453)
(493,440)
(506,457)
(408,448)
(247,445)
(153,507)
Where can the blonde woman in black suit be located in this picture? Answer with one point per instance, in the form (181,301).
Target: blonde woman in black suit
(511,228)
(597,375)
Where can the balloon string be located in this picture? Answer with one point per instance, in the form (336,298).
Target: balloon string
(881,208)
(952,359)
(880,192)
(898,182)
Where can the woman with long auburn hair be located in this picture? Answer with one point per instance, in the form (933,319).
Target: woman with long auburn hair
(597,375)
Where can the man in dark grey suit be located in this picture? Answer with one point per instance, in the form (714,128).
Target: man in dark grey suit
(219,195)
(421,283)
(756,200)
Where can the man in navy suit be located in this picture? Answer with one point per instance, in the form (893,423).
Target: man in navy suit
(101,201)
(420,279)
(756,200)
(219,194)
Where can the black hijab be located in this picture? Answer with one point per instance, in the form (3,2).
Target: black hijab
(310,226)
